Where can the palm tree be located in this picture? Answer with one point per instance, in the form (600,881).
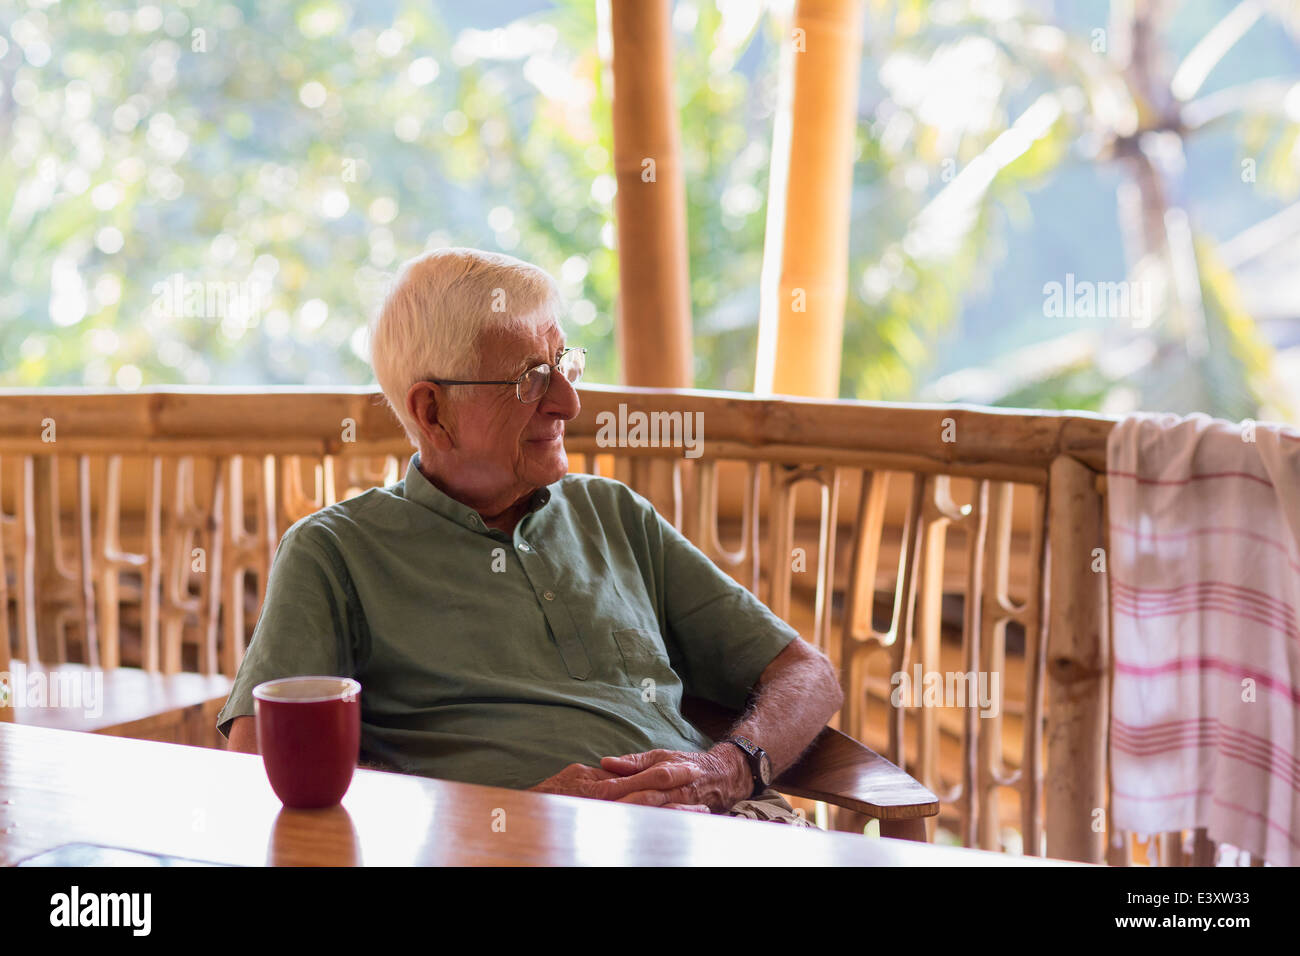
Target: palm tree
(1109,98)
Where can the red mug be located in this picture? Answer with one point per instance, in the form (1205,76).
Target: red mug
(309,734)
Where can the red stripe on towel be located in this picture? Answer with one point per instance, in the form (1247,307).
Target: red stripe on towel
(1224,589)
(1283,774)
(1232,610)
(1231,668)
(1190,478)
(1151,739)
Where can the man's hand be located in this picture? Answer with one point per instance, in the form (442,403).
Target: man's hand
(714,780)
(579,780)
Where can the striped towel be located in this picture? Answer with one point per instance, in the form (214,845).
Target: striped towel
(1205,592)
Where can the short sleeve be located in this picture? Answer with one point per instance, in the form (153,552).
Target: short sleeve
(308,623)
(723,634)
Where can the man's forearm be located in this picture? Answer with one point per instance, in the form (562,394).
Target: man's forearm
(243,736)
(795,695)
(794,698)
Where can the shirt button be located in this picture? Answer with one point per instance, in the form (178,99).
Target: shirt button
(523,546)
(549,595)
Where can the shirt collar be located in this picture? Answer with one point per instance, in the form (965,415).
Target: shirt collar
(424,492)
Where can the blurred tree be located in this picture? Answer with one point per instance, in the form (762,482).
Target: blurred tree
(215,192)
(300,150)
(952,81)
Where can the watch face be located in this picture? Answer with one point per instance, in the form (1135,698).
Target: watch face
(765,769)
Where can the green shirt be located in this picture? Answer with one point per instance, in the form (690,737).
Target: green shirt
(501,658)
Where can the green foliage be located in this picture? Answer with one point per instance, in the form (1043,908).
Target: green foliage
(310,145)
(313,145)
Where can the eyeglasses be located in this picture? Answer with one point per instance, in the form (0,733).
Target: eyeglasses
(533,384)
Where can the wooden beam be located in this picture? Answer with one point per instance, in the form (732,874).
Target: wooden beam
(987,442)
(654,308)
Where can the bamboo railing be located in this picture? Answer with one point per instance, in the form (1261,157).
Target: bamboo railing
(138,528)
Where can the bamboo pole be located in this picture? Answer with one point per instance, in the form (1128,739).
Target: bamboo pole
(26,570)
(996,612)
(806,248)
(1034,618)
(1077,656)
(934,546)
(85,561)
(653,327)
(654,310)
(977,525)
(49,566)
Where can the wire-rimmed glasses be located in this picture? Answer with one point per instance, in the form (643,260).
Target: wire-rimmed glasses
(533,384)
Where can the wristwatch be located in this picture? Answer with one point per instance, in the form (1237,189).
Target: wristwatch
(759,763)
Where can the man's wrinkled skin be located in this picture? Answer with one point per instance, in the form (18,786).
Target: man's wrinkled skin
(478,446)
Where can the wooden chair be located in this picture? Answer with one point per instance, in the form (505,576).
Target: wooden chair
(840,771)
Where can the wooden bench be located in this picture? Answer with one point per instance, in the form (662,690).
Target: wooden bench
(121,702)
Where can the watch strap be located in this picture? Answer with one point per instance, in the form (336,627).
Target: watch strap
(753,757)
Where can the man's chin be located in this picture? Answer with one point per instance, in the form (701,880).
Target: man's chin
(561,466)
(550,468)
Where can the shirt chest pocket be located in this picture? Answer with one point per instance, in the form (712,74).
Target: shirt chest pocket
(645,664)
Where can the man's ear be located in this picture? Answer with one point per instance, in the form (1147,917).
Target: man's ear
(427,404)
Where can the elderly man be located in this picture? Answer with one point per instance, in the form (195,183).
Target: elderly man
(512,624)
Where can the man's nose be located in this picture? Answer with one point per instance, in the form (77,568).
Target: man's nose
(561,397)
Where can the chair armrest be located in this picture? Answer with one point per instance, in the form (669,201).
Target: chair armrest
(836,769)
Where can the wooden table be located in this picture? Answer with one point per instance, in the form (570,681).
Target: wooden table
(60,787)
(125,702)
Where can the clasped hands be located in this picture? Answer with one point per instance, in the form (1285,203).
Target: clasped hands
(708,782)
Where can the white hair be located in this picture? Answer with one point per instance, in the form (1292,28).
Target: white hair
(441,303)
